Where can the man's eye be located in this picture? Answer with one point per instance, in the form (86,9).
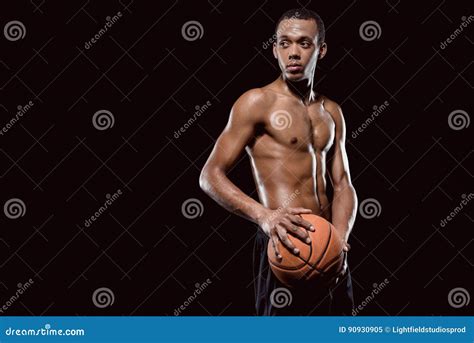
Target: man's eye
(305,44)
(284,44)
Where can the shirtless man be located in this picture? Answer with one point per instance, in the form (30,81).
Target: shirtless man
(288,131)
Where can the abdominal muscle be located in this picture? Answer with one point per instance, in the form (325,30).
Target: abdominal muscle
(290,181)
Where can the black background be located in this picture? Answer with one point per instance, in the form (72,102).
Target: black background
(145,73)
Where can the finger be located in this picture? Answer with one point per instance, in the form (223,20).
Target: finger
(346,247)
(274,239)
(344,266)
(285,240)
(297,231)
(299,210)
(301,222)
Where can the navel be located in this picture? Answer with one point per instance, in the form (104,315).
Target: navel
(294,140)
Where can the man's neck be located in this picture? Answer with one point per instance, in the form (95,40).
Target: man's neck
(299,89)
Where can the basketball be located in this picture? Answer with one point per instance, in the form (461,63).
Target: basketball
(320,261)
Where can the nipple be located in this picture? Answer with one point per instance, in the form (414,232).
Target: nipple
(294,140)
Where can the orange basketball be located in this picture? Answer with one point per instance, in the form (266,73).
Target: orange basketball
(319,261)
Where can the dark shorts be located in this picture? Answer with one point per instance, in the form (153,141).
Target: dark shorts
(272,298)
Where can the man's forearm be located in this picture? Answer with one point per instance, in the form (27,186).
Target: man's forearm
(218,186)
(344,210)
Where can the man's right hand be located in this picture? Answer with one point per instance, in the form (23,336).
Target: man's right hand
(278,223)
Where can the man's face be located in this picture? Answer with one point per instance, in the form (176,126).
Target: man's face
(297,48)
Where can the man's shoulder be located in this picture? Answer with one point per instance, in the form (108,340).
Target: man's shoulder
(255,97)
(252,105)
(330,105)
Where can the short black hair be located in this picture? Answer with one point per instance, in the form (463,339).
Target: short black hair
(303,13)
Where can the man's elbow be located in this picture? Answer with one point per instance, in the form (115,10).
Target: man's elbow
(206,178)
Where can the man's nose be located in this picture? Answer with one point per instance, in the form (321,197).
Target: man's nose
(294,55)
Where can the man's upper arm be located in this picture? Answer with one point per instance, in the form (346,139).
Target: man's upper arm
(240,129)
(340,174)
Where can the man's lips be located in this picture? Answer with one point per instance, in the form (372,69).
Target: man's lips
(294,67)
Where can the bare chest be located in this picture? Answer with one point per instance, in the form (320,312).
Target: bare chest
(298,127)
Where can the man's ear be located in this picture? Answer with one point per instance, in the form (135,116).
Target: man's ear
(275,50)
(323,48)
